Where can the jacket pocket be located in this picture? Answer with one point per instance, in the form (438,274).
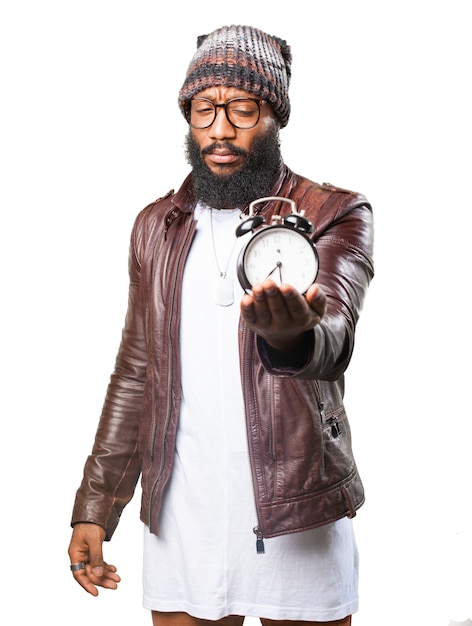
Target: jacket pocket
(291,438)
(308,443)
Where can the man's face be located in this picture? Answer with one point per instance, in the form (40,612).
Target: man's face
(233,166)
(220,159)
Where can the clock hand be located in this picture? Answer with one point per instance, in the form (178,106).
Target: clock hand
(277,267)
(280,272)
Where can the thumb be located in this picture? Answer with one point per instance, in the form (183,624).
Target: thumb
(316,298)
(96,558)
(90,537)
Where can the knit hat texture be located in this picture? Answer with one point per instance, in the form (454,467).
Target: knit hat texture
(243,57)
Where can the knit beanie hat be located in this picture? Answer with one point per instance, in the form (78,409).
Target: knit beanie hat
(245,58)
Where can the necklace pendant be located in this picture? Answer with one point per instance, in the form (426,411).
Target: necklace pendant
(223,292)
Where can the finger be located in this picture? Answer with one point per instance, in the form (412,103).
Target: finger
(84,581)
(109,579)
(276,298)
(247,309)
(316,298)
(260,306)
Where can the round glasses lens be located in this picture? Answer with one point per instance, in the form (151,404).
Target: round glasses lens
(243,113)
(202,113)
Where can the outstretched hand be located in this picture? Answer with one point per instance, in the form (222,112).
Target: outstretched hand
(86,547)
(281,315)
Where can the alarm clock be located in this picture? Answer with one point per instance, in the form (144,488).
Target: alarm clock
(282,250)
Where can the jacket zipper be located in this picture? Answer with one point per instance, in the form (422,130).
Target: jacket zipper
(259,540)
(257,530)
(170,379)
(152,440)
(270,396)
(335,427)
(320,403)
(331,421)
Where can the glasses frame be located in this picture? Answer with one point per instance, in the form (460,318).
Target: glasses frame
(187,105)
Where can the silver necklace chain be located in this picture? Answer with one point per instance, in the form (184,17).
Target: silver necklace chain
(223,288)
(222,273)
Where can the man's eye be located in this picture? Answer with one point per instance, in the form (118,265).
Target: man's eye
(243,112)
(203,110)
(243,109)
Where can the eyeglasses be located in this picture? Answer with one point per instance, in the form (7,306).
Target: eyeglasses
(243,113)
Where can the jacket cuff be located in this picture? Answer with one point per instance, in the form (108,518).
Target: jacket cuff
(91,515)
(287,363)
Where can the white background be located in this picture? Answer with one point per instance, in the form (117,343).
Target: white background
(90,133)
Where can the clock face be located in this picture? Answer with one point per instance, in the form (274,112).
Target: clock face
(280,253)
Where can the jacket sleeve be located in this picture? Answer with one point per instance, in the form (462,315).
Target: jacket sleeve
(112,470)
(345,246)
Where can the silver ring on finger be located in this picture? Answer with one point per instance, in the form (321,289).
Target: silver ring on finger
(75,567)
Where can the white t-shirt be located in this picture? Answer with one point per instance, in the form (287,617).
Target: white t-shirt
(204,561)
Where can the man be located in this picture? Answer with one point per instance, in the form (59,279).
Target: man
(229,403)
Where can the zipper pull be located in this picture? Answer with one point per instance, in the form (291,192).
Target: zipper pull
(335,428)
(259,540)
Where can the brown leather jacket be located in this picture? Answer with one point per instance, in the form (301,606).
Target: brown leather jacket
(303,469)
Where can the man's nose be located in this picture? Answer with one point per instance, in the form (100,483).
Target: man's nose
(222,127)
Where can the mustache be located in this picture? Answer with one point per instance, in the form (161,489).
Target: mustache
(225,145)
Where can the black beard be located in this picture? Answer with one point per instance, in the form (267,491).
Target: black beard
(254,180)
